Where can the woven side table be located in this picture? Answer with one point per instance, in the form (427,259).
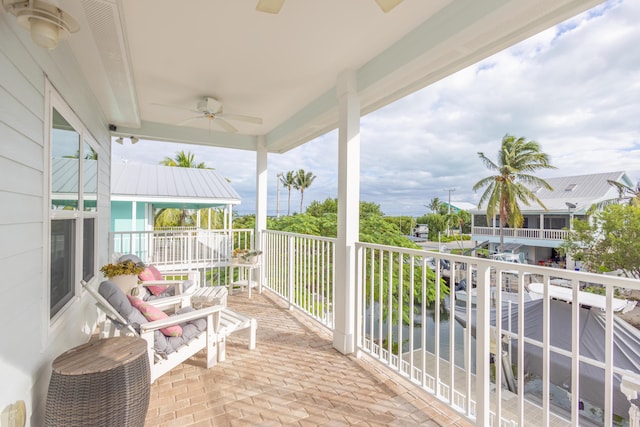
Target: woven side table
(102,383)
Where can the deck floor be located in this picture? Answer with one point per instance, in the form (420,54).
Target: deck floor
(293,377)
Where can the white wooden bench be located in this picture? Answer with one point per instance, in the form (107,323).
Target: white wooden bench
(230,321)
(209,295)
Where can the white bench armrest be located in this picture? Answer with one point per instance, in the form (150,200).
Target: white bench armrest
(180,318)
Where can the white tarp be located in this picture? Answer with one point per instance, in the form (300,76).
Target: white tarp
(626,348)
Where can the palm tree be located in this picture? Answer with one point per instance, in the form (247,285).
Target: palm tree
(90,155)
(288,180)
(303,180)
(517,158)
(434,204)
(183,160)
(168,216)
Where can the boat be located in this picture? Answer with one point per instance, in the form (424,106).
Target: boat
(517,258)
(592,348)
(505,296)
(589,299)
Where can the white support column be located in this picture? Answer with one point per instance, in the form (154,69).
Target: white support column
(348,211)
(148,217)
(135,242)
(134,214)
(261,199)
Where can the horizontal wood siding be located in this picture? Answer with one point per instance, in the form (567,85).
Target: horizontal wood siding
(30,344)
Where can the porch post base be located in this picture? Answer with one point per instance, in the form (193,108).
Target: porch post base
(344,343)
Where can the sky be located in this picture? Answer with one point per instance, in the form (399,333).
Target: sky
(574,88)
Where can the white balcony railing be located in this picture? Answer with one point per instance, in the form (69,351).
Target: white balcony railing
(208,251)
(418,340)
(300,269)
(523,233)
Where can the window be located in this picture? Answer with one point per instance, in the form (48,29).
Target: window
(62,254)
(74,206)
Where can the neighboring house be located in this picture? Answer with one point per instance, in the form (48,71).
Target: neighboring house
(137,191)
(544,230)
(459,206)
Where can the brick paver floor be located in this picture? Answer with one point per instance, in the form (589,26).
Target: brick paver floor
(293,377)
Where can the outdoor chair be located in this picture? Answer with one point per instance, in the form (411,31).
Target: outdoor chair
(121,315)
(155,284)
(171,339)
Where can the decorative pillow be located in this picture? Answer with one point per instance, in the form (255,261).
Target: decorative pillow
(152,273)
(118,300)
(151,313)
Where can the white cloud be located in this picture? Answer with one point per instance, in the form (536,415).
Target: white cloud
(573,88)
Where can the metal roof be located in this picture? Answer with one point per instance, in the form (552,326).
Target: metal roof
(172,185)
(463,206)
(580,190)
(65,175)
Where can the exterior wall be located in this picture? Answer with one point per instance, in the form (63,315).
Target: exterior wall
(31,341)
(122,212)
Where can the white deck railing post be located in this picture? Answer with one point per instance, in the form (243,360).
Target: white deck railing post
(483,331)
(291,268)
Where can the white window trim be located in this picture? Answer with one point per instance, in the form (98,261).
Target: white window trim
(55,325)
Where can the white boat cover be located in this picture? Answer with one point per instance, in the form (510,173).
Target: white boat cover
(626,348)
(584,298)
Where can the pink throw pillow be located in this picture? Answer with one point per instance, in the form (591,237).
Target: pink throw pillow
(152,273)
(151,313)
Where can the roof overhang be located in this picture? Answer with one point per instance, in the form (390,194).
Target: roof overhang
(148,62)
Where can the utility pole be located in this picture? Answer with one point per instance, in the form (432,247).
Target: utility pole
(450,190)
(278,178)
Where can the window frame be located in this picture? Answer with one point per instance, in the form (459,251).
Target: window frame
(53,100)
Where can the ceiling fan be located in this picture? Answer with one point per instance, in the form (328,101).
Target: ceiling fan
(273,6)
(211,109)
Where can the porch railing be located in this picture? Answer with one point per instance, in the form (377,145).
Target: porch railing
(300,269)
(456,353)
(523,233)
(497,373)
(208,251)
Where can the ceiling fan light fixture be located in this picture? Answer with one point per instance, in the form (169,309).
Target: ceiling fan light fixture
(269,6)
(47,23)
(209,105)
(387,5)
(134,140)
(119,140)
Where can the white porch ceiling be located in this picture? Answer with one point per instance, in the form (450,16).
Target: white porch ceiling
(141,55)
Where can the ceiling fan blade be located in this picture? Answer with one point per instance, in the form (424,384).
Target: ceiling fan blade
(241,118)
(184,122)
(226,125)
(387,5)
(269,6)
